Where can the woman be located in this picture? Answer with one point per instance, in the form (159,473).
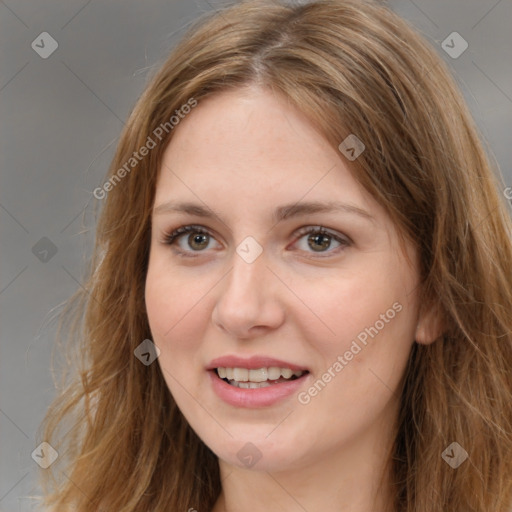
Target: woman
(300,293)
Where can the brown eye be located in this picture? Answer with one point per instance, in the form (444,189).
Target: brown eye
(319,240)
(197,240)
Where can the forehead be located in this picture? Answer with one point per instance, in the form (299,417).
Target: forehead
(250,143)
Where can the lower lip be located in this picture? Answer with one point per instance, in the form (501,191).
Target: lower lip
(259,397)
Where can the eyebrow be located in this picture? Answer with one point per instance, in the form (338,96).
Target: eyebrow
(281,213)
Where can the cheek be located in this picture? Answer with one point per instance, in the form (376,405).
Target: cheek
(174,311)
(173,305)
(368,316)
(342,307)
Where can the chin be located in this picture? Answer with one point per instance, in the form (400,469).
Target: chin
(253,448)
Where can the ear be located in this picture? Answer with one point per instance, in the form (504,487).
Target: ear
(430,325)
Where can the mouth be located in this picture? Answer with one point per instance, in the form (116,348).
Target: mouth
(258,378)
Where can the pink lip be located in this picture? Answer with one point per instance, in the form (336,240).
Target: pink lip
(254,398)
(251,363)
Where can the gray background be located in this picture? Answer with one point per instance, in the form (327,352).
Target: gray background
(60,121)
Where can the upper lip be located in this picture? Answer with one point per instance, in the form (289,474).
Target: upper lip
(252,363)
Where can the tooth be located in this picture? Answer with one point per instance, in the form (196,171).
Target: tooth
(256,385)
(259,375)
(286,372)
(241,374)
(273,373)
(244,385)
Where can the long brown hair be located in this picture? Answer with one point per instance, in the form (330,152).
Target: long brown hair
(353,67)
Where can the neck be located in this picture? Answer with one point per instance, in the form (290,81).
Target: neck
(352,478)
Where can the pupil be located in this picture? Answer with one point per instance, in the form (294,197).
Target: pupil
(321,237)
(199,237)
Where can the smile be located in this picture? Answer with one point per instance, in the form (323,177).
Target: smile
(256,387)
(257,378)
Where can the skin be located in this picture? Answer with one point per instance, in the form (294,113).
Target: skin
(243,153)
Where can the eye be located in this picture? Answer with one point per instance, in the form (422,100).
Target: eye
(318,239)
(198,238)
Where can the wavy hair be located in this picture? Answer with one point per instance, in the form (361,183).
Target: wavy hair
(351,66)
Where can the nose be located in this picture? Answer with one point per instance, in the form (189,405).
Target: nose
(248,302)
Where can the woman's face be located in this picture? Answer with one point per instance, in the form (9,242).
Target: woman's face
(258,287)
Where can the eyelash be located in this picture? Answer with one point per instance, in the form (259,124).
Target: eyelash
(172,237)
